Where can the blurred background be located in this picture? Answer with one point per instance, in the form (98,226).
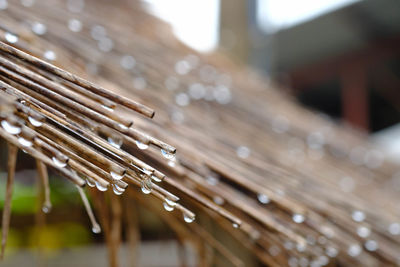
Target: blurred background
(339,57)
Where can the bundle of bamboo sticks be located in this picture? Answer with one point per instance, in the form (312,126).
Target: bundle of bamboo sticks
(287,186)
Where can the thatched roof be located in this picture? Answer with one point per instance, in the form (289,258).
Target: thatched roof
(255,168)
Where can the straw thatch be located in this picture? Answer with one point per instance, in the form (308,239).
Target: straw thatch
(268,181)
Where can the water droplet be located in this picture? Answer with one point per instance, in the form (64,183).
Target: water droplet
(301,247)
(141,145)
(90,182)
(156,179)
(218,200)
(263,198)
(50,55)
(222,94)
(363,231)
(146,186)
(172,163)
(96,229)
(331,252)
(167,155)
(39,28)
(128,62)
(97,32)
(235,225)
(58,162)
(394,229)
(243,152)
(146,172)
(24,142)
(34,122)
(10,128)
(371,245)
(298,218)
(354,250)
(182,99)
(117,190)
(115,141)
(188,218)
(170,202)
(167,207)
(358,216)
(323,260)
(315,140)
(105,44)
(100,187)
(116,176)
(212,179)
(11,38)
(75,25)
(197,91)
(46,208)
(182,67)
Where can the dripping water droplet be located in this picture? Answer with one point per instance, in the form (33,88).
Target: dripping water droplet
(363,231)
(115,141)
(146,186)
(172,163)
(90,183)
(24,142)
(156,179)
(117,190)
(10,128)
(116,176)
(371,245)
(188,218)
(235,225)
(35,122)
(11,38)
(358,216)
(59,163)
(263,198)
(170,202)
(298,218)
(96,229)
(141,145)
(46,208)
(354,250)
(167,207)
(100,187)
(146,172)
(167,155)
